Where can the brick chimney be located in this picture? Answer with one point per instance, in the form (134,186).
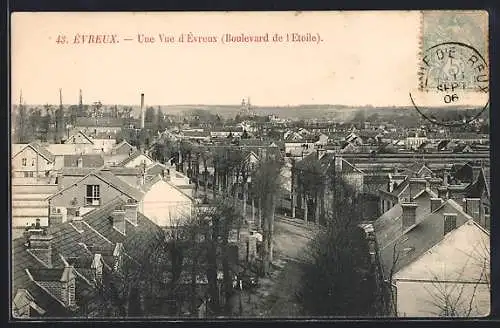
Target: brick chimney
(40,245)
(57,216)
(118,256)
(68,286)
(450,222)
(472,206)
(96,268)
(118,216)
(131,212)
(143,113)
(409,216)
(434,183)
(338,164)
(443,192)
(435,203)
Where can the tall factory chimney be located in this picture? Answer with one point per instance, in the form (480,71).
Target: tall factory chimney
(143,114)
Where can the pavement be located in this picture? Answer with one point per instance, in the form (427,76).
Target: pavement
(275,295)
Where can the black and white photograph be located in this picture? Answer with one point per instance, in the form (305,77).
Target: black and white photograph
(249,165)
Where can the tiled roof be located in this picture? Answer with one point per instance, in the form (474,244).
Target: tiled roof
(44,152)
(22,260)
(136,238)
(116,170)
(88,160)
(111,179)
(133,156)
(77,244)
(120,185)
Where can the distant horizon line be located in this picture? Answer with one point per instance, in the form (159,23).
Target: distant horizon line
(239,105)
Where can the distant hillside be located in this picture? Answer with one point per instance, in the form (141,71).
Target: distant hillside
(337,112)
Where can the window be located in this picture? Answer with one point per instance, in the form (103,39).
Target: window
(28,174)
(33,162)
(24,161)
(93,195)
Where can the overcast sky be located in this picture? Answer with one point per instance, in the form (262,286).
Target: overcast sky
(365,58)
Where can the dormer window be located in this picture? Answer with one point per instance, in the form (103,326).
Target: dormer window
(93,196)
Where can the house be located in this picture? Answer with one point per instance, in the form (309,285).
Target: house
(84,160)
(95,125)
(69,175)
(291,135)
(94,190)
(195,135)
(29,204)
(32,161)
(155,196)
(452,278)
(165,204)
(123,148)
(413,143)
(137,159)
(174,177)
(60,150)
(410,229)
(480,189)
(104,145)
(56,270)
(78,137)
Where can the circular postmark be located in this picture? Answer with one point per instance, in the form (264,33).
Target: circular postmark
(452,76)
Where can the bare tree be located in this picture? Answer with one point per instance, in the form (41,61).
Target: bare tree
(459,297)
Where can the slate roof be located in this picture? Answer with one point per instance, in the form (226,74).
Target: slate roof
(136,238)
(416,240)
(111,179)
(77,243)
(133,156)
(156,168)
(22,260)
(44,152)
(88,160)
(123,143)
(120,185)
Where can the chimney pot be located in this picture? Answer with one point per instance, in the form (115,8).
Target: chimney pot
(68,287)
(443,192)
(409,216)
(96,267)
(119,223)
(436,203)
(41,245)
(131,212)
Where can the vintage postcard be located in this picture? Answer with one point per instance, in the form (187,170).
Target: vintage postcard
(250,165)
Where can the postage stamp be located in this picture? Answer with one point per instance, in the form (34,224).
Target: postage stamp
(453,65)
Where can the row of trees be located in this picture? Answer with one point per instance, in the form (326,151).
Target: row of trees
(179,269)
(340,280)
(195,260)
